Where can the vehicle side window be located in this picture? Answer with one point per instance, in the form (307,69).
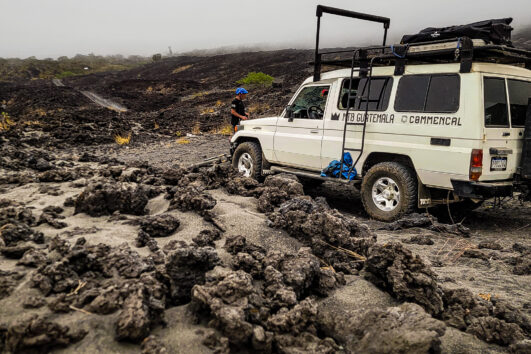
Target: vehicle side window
(519,95)
(437,93)
(343,96)
(443,94)
(495,102)
(310,103)
(378,99)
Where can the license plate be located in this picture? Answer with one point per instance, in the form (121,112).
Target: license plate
(498,164)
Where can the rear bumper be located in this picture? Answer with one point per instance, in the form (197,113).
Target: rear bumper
(482,190)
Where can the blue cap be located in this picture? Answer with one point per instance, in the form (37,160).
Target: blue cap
(241,90)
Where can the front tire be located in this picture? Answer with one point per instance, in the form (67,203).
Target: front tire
(247,159)
(389,191)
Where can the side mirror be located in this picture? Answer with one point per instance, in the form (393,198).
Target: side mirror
(289,113)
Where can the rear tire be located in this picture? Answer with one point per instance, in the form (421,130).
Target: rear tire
(247,159)
(389,191)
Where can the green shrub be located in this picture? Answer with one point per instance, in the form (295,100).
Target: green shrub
(64,74)
(256,79)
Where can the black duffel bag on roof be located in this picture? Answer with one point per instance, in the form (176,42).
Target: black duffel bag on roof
(496,31)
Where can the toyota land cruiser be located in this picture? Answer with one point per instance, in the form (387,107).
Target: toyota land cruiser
(427,123)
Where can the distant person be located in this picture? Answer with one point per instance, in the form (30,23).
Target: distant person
(237,109)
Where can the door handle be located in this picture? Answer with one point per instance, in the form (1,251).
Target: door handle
(314,131)
(257,128)
(506,134)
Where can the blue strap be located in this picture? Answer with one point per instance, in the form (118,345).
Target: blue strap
(395,54)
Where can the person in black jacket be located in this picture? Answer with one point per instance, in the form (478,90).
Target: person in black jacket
(237,109)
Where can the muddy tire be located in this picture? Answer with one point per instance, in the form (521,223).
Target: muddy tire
(389,191)
(247,159)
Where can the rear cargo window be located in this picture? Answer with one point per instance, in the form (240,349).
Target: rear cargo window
(495,102)
(411,93)
(519,95)
(428,93)
(443,94)
(378,99)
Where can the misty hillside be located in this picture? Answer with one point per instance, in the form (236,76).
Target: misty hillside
(522,38)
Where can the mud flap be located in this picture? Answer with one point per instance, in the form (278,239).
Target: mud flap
(424,196)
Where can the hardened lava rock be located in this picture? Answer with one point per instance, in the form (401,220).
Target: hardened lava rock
(8,281)
(104,199)
(403,329)
(186,266)
(13,233)
(36,335)
(267,302)
(191,198)
(395,269)
(426,221)
(243,186)
(207,238)
(340,241)
(160,225)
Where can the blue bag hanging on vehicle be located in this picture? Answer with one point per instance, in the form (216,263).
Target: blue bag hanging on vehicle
(334,168)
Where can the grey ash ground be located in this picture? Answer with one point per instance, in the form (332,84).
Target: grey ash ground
(123,249)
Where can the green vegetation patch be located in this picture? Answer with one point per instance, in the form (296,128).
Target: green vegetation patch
(64,74)
(254,78)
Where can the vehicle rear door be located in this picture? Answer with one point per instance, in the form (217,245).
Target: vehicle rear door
(299,132)
(519,92)
(505,103)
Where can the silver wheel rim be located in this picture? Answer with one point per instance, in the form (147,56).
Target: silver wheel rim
(385,194)
(245,164)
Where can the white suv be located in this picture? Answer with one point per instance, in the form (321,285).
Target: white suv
(420,134)
(432,135)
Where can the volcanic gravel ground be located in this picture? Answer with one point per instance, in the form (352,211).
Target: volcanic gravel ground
(202,260)
(109,248)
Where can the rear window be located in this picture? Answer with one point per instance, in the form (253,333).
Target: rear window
(377,100)
(496,114)
(519,95)
(428,93)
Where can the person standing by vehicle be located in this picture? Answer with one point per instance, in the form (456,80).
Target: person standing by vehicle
(237,109)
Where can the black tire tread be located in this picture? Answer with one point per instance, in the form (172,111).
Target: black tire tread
(410,182)
(256,153)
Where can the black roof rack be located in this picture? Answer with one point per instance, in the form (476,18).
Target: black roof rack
(463,50)
(344,13)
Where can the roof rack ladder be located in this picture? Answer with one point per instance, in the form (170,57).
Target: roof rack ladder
(363,97)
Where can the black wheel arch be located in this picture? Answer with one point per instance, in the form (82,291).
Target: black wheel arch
(377,157)
(244,139)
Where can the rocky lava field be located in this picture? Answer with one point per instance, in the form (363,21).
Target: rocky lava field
(126,249)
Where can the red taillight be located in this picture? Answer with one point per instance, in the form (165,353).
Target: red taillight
(476,164)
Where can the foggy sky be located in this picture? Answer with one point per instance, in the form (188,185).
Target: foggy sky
(52,28)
